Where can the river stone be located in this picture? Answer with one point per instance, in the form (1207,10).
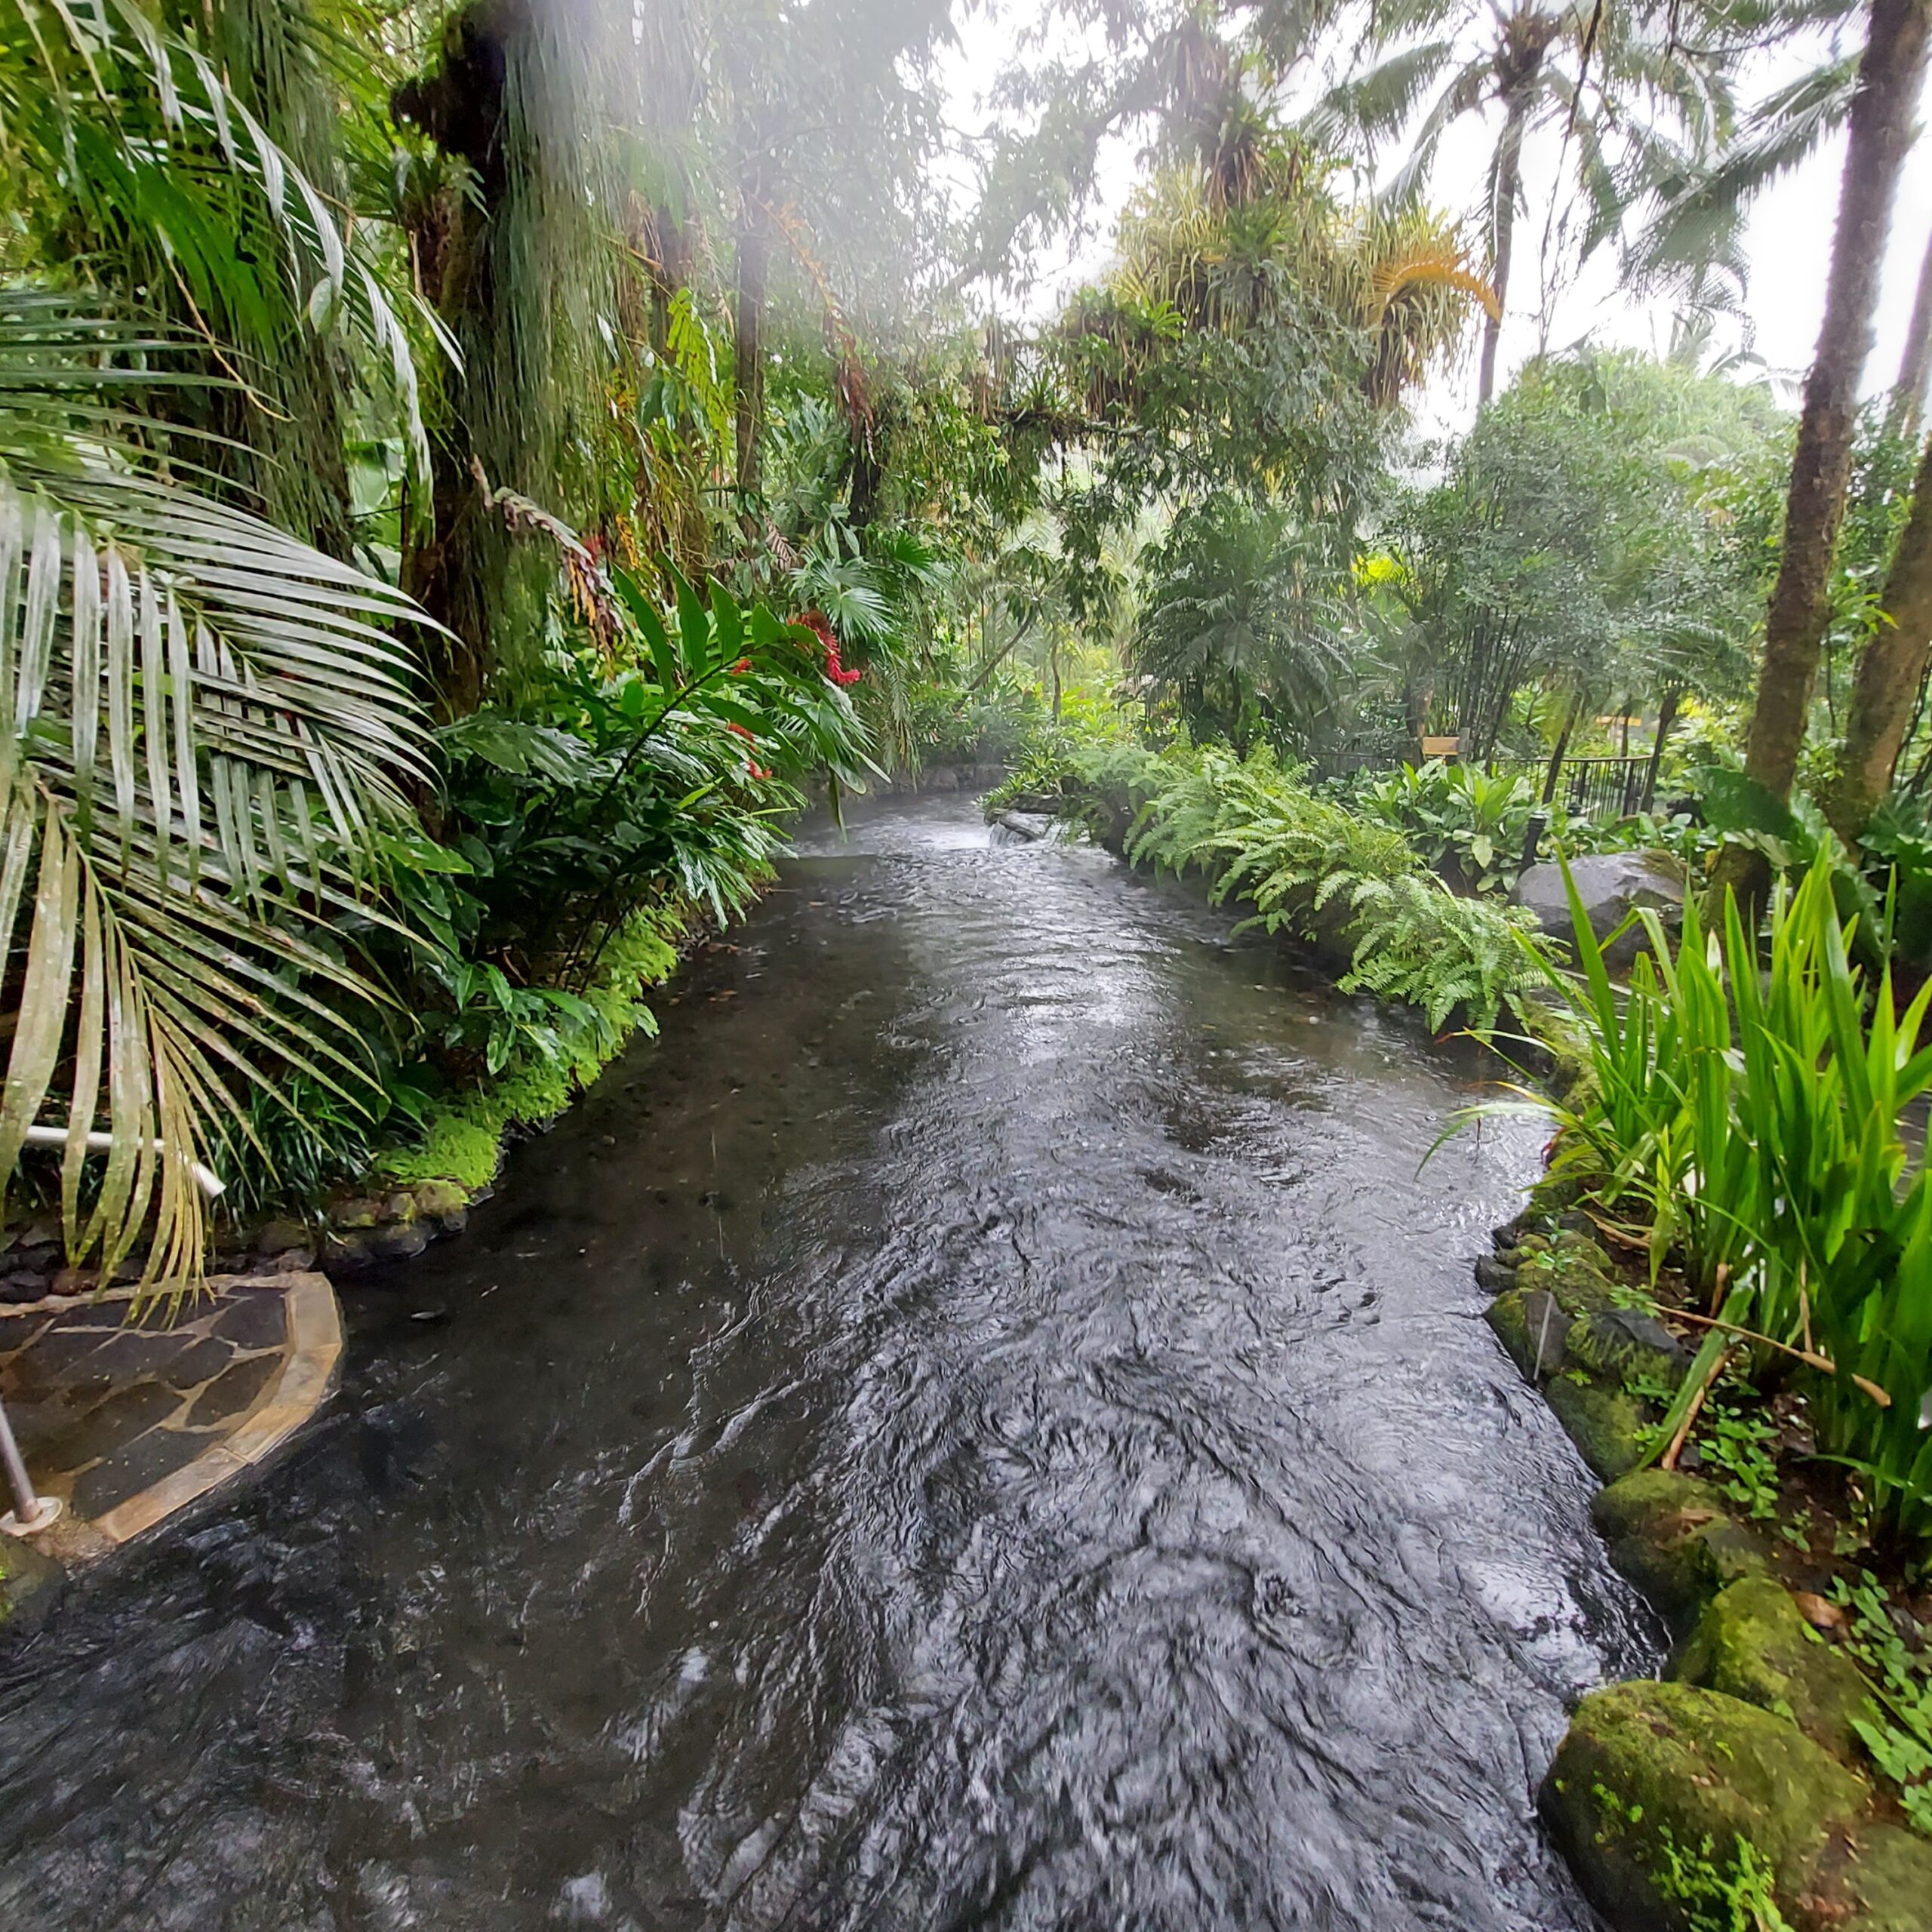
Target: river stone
(278,1236)
(1494,1274)
(1751,1643)
(1647,1768)
(1623,1343)
(1671,1535)
(1611,886)
(1872,1878)
(30,1585)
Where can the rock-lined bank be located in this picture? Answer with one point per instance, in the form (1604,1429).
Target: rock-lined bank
(1740,1778)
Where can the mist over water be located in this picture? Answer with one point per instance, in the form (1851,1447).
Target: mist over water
(982,1424)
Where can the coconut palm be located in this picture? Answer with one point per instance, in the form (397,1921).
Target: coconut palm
(205,724)
(1631,95)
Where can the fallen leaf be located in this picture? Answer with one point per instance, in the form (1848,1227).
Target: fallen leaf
(1816,1611)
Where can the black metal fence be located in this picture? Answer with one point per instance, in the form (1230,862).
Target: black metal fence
(1589,787)
(1586,786)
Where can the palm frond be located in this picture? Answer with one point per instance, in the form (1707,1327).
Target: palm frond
(203,726)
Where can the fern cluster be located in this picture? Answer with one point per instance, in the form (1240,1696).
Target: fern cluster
(1311,867)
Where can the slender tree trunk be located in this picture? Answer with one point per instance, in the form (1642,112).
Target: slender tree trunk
(1556,757)
(1882,115)
(1915,366)
(1889,673)
(748,356)
(1667,718)
(1503,226)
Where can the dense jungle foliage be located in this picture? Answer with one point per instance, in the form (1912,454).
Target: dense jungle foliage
(470,474)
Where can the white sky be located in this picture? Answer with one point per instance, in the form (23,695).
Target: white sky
(1788,246)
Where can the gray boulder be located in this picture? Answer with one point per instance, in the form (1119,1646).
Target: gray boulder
(1612,885)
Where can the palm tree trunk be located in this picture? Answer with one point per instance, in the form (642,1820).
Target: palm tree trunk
(1503,226)
(1882,116)
(1915,365)
(1890,671)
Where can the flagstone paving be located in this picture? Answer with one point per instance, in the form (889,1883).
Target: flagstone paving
(128,1419)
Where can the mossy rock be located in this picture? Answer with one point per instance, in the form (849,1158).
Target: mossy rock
(1670,1534)
(30,1585)
(1622,1344)
(1648,1771)
(1607,1423)
(1571,1269)
(1751,1643)
(1872,1878)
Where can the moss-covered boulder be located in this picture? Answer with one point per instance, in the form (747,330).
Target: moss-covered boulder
(1605,1421)
(1623,1344)
(30,1585)
(1670,1534)
(1872,1878)
(1651,1775)
(1751,1643)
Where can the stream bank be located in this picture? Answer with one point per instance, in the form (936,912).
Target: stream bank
(1744,1781)
(981,1422)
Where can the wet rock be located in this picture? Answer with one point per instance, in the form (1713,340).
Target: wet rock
(1872,1878)
(1534,1329)
(1752,1643)
(400,1206)
(361,1213)
(278,1236)
(1612,885)
(1670,1534)
(403,1242)
(437,1198)
(1026,825)
(1650,1770)
(1625,1343)
(1493,1276)
(31,1583)
(290,1261)
(19,1286)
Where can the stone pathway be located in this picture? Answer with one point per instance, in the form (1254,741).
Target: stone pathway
(129,1421)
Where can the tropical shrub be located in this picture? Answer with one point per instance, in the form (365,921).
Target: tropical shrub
(1754,1118)
(1462,820)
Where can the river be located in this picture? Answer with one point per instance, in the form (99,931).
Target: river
(982,1424)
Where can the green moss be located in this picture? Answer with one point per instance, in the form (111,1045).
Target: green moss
(30,1584)
(1877,1878)
(1751,1643)
(1671,1535)
(1609,1424)
(1648,1771)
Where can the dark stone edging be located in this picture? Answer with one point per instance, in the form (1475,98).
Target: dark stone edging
(1749,1736)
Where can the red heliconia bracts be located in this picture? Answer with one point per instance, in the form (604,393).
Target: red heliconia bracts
(817,621)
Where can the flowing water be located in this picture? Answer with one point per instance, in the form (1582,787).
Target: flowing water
(982,1424)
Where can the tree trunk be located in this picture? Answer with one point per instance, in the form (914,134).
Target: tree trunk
(1915,366)
(1503,225)
(1667,718)
(1882,125)
(1887,687)
(1556,757)
(748,356)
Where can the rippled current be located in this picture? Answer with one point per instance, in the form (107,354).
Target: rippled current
(982,1424)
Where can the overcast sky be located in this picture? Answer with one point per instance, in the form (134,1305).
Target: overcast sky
(1787,244)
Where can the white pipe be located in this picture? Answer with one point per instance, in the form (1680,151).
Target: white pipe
(99,1143)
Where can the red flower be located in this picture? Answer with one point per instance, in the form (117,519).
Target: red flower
(739,670)
(749,737)
(816,622)
(756,769)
